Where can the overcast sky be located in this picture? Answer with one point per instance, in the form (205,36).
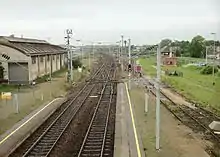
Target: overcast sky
(144,21)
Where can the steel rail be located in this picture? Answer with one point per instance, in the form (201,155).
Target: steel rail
(91,126)
(186,113)
(59,116)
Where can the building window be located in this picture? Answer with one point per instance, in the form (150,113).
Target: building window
(53,57)
(48,58)
(41,58)
(33,60)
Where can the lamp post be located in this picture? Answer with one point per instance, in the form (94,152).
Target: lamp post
(206,53)
(158,98)
(122,41)
(129,62)
(118,52)
(213,67)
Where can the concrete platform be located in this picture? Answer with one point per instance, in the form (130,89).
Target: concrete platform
(215,125)
(22,130)
(126,138)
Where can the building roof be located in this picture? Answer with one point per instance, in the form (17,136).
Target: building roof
(65,46)
(166,50)
(22,40)
(31,46)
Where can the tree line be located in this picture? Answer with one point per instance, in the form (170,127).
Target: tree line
(195,48)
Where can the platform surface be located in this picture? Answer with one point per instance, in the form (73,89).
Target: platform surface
(20,131)
(126,143)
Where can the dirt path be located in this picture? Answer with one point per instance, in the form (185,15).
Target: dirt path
(178,99)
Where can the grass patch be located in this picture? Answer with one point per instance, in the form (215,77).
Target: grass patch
(147,65)
(59,72)
(7,87)
(193,85)
(14,118)
(54,74)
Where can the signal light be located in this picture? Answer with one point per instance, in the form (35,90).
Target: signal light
(5,56)
(129,66)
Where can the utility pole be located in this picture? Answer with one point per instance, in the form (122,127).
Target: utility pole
(125,50)
(129,50)
(119,42)
(129,62)
(206,53)
(69,55)
(122,41)
(158,93)
(158,98)
(213,67)
(125,47)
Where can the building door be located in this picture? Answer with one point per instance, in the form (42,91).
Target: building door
(18,73)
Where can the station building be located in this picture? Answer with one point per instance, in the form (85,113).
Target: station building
(29,58)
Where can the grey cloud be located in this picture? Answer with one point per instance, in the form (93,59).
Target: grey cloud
(143,20)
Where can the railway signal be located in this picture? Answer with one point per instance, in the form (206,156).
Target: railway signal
(5,56)
(129,67)
(69,33)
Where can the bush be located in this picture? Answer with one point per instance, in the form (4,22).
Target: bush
(76,63)
(195,68)
(208,70)
(179,63)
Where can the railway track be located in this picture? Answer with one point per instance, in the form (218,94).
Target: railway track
(98,138)
(196,118)
(46,137)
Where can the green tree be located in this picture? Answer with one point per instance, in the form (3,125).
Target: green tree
(165,42)
(76,63)
(178,53)
(184,48)
(197,46)
(209,42)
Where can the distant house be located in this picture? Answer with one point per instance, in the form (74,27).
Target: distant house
(168,57)
(29,58)
(210,52)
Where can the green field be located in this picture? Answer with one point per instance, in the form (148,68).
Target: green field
(147,66)
(193,85)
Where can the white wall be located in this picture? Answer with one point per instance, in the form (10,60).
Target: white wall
(41,66)
(62,60)
(57,61)
(15,56)
(35,70)
(53,59)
